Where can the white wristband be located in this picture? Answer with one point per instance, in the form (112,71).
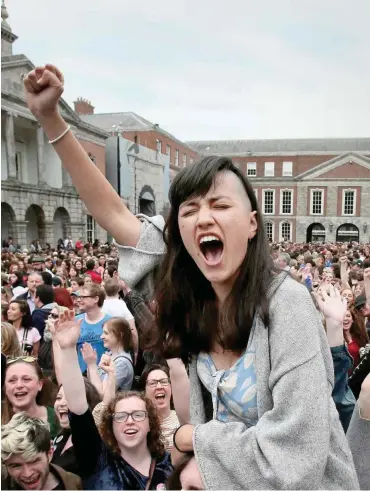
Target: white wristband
(60,136)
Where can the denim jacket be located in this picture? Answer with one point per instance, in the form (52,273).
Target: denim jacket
(343,397)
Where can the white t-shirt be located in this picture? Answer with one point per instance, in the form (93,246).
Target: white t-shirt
(33,336)
(117,308)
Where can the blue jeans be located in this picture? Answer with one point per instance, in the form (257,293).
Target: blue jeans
(343,397)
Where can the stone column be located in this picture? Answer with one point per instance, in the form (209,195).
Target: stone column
(66,179)
(10,145)
(77,230)
(40,155)
(49,233)
(20,233)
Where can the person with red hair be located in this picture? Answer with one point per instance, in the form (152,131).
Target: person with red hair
(61,295)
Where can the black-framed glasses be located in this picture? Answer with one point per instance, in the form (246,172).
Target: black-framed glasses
(86,296)
(153,383)
(54,316)
(123,416)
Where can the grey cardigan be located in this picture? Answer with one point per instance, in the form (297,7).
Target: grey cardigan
(298,442)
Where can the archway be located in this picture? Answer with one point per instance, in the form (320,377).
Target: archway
(62,224)
(35,220)
(147,201)
(348,232)
(7,222)
(316,233)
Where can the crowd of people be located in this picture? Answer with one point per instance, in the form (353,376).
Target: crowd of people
(188,354)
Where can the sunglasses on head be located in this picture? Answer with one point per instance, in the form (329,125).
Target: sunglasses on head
(26,359)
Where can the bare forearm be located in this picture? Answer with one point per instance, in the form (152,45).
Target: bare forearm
(100,198)
(344,276)
(334,333)
(180,384)
(72,381)
(94,377)
(367,290)
(109,389)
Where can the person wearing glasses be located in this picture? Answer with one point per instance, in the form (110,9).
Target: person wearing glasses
(129,453)
(90,301)
(157,383)
(27,390)
(45,357)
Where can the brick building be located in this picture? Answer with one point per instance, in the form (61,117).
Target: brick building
(138,130)
(38,199)
(308,189)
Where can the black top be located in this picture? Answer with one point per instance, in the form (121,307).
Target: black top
(101,468)
(67,459)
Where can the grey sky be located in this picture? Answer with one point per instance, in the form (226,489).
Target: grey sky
(210,69)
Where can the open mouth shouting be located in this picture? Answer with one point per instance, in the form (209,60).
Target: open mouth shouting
(20,395)
(32,482)
(63,416)
(160,397)
(211,248)
(131,432)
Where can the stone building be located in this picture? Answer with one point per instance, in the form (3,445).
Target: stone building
(140,176)
(38,199)
(138,130)
(308,189)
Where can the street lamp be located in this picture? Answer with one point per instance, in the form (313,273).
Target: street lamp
(118,128)
(132,158)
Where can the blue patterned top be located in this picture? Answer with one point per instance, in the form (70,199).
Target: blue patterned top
(234,391)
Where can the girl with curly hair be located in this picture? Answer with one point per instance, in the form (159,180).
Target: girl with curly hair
(129,452)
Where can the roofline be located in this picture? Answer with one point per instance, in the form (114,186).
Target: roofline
(193,142)
(152,127)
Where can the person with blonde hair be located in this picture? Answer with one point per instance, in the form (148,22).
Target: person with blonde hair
(26,453)
(9,341)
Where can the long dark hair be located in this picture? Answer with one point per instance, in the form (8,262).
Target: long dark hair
(187,317)
(25,311)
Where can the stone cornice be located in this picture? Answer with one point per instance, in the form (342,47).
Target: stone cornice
(45,189)
(16,105)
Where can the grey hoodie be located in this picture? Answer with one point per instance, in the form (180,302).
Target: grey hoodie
(298,442)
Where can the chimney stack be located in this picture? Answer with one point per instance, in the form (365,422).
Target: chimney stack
(83,106)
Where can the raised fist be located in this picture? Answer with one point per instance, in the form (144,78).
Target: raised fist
(44,86)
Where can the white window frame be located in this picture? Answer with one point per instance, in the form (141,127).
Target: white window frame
(344,191)
(281,230)
(273,229)
(252,166)
(168,150)
(90,229)
(291,191)
(191,161)
(176,157)
(288,173)
(159,146)
(270,173)
(263,201)
(322,191)
(184,159)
